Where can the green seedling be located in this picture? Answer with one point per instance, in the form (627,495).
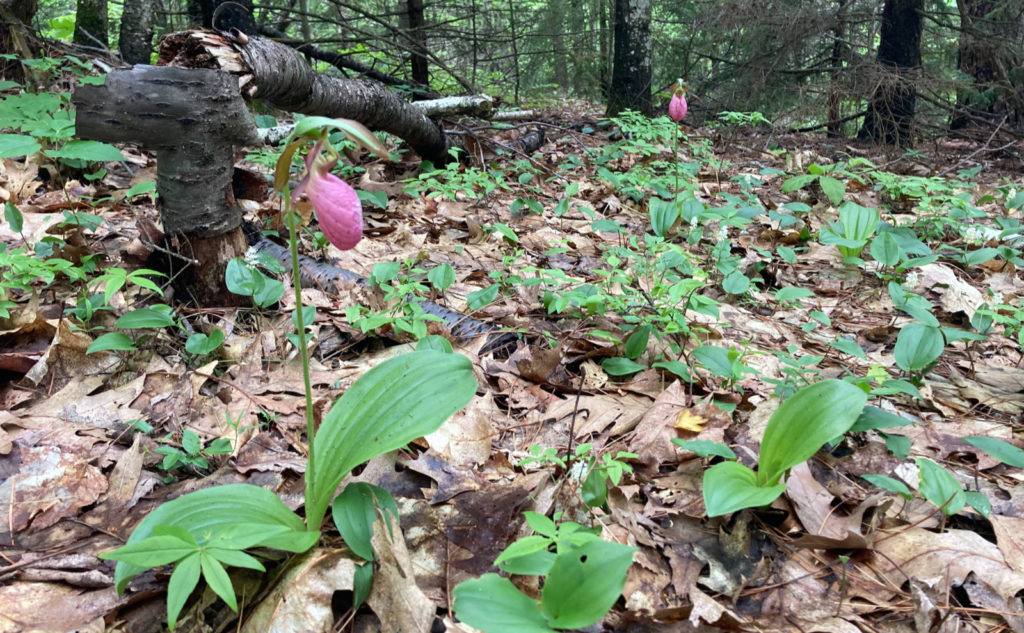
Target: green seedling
(802,424)
(583,576)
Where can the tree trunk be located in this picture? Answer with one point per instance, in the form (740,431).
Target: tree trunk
(417,34)
(281,77)
(840,53)
(554,27)
(890,112)
(209,15)
(991,36)
(195,119)
(136,36)
(14,16)
(631,70)
(91,23)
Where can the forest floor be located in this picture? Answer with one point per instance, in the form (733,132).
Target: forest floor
(562,238)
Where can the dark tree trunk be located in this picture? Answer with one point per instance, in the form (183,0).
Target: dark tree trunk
(840,53)
(991,36)
(890,112)
(280,76)
(418,38)
(203,12)
(631,69)
(136,37)
(91,23)
(15,15)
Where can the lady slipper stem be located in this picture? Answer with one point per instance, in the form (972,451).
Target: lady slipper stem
(677,110)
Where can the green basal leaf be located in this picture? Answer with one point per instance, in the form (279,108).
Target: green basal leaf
(918,346)
(201,344)
(731,486)
(618,366)
(834,189)
(354,512)
(885,249)
(391,405)
(637,341)
(362,583)
(940,487)
(153,316)
(858,222)
(584,583)
(14,217)
(663,215)
(804,423)
(1003,451)
(111,341)
(873,418)
(594,490)
(888,483)
(205,512)
(492,604)
(979,502)
(705,448)
(898,445)
(848,346)
(94,151)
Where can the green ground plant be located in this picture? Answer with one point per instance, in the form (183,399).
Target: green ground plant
(392,404)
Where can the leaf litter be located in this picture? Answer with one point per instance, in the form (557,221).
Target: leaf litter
(832,554)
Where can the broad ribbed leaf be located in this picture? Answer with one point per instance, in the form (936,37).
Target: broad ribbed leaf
(584,583)
(804,422)
(391,405)
(940,487)
(203,511)
(731,486)
(494,605)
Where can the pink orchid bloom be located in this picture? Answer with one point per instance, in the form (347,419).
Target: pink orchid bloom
(677,106)
(338,209)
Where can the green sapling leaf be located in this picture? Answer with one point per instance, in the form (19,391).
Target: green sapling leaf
(804,423)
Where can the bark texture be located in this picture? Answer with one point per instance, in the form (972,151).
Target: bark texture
(417,34)
(280,76)
(14,16)
(91,23)
(890,114)
(136,35)
(194,119)
(991,41)
(631,70)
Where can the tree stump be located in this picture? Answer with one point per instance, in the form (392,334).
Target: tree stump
(194,119)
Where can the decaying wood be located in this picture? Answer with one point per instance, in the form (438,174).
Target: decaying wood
(193,119)
(279,75)
(472,105)
(514,115)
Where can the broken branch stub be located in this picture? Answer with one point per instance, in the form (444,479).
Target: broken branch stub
(194,119)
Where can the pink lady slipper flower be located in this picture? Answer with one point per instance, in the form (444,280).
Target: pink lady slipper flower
(677,106)
(337,207)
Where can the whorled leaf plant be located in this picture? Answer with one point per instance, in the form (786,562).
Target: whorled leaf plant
(391,405)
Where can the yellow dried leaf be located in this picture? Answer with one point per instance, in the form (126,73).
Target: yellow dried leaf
(687,421)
